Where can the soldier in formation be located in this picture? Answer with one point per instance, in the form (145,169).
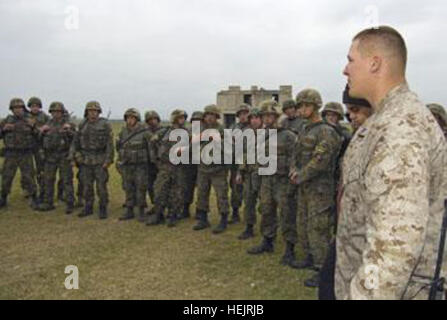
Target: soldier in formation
(92,150)
(56,137)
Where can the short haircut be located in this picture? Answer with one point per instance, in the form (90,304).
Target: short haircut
(386,37)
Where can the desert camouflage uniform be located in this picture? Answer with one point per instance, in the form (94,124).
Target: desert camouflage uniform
(394,186)
(441,117)
(92,148)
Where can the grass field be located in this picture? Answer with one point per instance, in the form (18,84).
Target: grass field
(128,260)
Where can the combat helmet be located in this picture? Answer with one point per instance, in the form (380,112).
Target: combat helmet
(269,107)
(132,112)
(288,104)
(310,96)
(243,107)
(56,106)
(255,112)
(151,114)
(16,102)
(93,105)
(438,111)
(334,107)
(177,114)
(34,100)
(197,115)
(212,109)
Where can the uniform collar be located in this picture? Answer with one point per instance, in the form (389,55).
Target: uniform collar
(394,92)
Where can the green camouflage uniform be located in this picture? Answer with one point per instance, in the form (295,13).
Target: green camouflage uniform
(133,158)
(92,148)
(39,119)
(212,175)
(56,144)
(19,143)
(152,169)
(169,185)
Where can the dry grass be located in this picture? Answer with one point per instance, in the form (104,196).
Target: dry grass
(127,260)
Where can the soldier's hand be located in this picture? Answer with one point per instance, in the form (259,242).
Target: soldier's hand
(44,128)
(73,163)
(106,165)
(8,127)
(238,179)
(293,176)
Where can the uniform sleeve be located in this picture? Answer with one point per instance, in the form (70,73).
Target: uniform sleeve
(396,197)
(110,151)
(328,144)
(74,147)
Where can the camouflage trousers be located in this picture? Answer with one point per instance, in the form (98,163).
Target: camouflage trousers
(219,181)
(236,191)
(39,167)
(275,197)
(315,222)
(168,190)
(135,184)
(80,187)
(91,174)
(190,183)
(24,162)
(65,173)
(251,186)
(152,176)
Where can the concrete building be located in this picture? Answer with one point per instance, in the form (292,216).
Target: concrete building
(229,100)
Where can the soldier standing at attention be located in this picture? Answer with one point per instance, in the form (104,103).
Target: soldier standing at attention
(274,195)
(212,175)
(169,185)
(248,176)
(19,136)
(56,136)
(92,149)
(132,146)
(394,180)
(191,172)
(291,120)
(152,120)
(39,118)
(313,172)
(237,189)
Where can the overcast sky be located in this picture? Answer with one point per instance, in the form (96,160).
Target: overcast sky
(179,54)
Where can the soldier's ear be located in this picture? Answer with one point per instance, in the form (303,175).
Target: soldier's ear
(376,64)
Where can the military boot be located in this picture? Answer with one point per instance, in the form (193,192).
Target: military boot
(307,263)
(172,220)
(34,203)
(128,214)
(313,282)
(79,202)
(222,224)
(235,217)
(185,214)
(288,259)
(265,246)
(202,223)
(3,200)
(70,207)
(88,211)
(248,233)
(141,214)
(155,219)
(45,206)
(103,212)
